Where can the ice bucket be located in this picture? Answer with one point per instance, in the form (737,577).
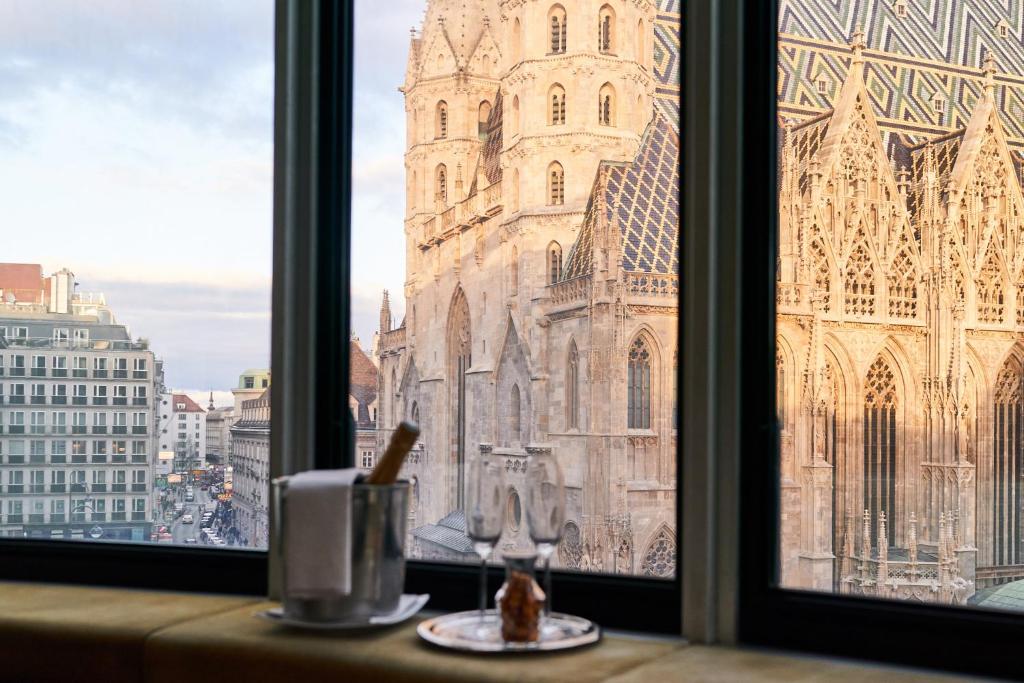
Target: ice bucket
(379,515)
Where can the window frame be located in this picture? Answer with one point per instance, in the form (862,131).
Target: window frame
(862,628)
(311,255)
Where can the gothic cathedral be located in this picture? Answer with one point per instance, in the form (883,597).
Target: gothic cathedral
(900,299)
(541,291)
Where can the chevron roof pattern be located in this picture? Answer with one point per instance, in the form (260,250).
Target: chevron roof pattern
(935,52)
(667,46)
(642,197)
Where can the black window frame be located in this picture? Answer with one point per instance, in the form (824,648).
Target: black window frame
(318,84)
(969,640)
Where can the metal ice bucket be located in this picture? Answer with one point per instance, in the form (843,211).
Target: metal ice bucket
(379,515)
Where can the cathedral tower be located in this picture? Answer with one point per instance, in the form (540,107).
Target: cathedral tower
(450,85)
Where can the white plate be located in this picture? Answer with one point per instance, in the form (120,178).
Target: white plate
(408,605)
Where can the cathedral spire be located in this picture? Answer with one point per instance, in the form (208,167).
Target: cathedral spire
(857,46)
(385,314)
(988,67)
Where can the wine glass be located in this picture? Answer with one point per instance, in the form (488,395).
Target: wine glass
(485,512)
(545,510)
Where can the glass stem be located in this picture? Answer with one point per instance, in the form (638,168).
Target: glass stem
(547,586)
(483,587)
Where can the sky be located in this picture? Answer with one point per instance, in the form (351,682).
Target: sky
(136,139)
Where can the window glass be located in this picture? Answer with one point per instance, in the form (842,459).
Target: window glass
(148,282)
(486,254)
(900,349)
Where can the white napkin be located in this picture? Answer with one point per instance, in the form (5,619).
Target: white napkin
(318,533)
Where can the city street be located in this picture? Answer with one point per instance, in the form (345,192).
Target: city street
(179,530)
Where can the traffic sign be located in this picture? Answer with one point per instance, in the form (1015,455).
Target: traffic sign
(96,531)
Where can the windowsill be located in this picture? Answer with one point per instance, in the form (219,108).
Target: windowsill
(125,635)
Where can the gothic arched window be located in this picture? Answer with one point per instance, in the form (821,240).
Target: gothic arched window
(880,455)
(515,189)
(780,389)
(483,114)
(638,385)
(514,267)
(441,184)
(606,105)
(515,419)
(460,358)
(572,388)
(989,295)
(859,285)
(517,41)
(558,21)
(660,556)
(515,115)
(570,550)
(554,263)
(556,97)
(1006,466)
(822,274)
(414,412)
(606,29)
(556,184)
(640,41)
(441,120)
(902,282)
(394,398)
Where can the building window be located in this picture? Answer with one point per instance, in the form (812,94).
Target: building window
(558,22)
(822,85)
(441,120)
(556,184)
(1003,29)
(367,460)
(572,388)
(880,457)
(515,416)
(606,105)
(606,29)
(554,263)
(556,96)
(900,8)
(939,103)
(441,185)
(483,116)
(638,385)
(514,271)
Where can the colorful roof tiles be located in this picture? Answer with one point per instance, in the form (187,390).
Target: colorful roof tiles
(641,197)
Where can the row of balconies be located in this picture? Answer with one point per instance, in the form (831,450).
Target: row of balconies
(37,400)
(40,430)
(57,518)
(79,373)
(76,459)
(39,489)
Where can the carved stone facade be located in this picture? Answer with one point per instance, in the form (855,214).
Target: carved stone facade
(900,349)
(541,222)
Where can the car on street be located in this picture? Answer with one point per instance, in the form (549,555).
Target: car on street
(190,541)
(187,519)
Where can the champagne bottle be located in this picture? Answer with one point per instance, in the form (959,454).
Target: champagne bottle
(402,441)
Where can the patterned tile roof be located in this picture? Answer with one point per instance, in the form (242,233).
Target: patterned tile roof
(935,51)
(667,45)
(643,198)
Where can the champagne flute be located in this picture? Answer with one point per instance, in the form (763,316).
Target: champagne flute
(545,509)
(485,512)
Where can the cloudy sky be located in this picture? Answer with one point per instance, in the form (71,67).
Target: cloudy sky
(136,147)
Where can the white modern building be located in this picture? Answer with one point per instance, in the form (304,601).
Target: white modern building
(183,431)
(77,413)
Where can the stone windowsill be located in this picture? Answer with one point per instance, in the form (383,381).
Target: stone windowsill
(58,632)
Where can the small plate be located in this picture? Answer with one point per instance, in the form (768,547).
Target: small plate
(408,605)
(467,632)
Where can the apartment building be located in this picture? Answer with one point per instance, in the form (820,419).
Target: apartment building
(250,460)
(77,412)
(183,432)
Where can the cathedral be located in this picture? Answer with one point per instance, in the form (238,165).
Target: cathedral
(542,257)
(900,297)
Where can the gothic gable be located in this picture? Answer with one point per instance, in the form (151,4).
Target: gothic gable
(512,378)
(985,184)
(485,57)
(437,58)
